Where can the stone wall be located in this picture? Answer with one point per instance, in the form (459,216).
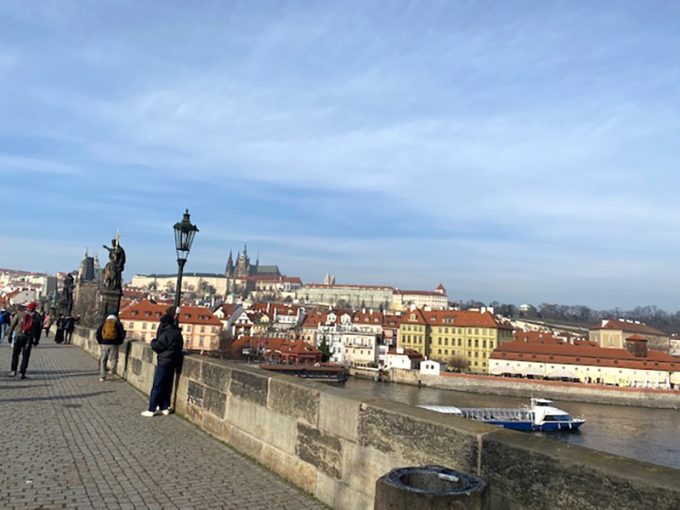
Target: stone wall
(335,445)
(511,387)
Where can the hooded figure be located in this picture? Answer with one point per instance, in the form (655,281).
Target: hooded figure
(168,346)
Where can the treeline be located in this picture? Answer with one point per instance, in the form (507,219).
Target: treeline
(580,315)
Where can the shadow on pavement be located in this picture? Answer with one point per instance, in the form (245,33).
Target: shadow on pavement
(56,399)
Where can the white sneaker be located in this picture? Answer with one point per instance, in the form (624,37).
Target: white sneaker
(165,412)
(102,379)
(148,414)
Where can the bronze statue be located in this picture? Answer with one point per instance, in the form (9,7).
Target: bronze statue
(113,271)
(68,293)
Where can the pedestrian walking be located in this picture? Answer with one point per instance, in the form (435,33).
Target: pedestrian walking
(109,335)
(59,335)
(47,324)
(69,326)
(4,323)
(38,331)
(26,326)
(168,346)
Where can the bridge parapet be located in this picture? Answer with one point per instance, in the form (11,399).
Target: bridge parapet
(336,445)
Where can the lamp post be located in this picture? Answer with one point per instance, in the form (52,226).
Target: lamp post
(184,237)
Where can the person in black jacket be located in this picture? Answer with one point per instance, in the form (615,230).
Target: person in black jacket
(109,335)
(168,346)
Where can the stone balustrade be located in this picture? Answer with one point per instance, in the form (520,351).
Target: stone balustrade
(336,445)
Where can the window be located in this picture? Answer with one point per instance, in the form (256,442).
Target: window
(476,343)
(143,325)
(469,343)
(484,344)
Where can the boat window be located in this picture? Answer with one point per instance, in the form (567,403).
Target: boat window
(557,417)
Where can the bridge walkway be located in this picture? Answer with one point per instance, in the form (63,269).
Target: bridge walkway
(68,440)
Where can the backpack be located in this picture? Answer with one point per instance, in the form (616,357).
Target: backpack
(27,323)
(109,331)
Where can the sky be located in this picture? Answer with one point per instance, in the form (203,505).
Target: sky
(514,151)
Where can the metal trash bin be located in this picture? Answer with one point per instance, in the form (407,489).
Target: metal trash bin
(431,488)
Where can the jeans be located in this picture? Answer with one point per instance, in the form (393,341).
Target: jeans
(3,330)
(162,388)
(22,345)
(108,352)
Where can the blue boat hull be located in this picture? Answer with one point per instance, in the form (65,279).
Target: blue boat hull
(528,426)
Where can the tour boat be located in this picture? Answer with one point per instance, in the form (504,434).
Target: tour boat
(322,372)
(540,416)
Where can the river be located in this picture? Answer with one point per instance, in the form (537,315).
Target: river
(651,435)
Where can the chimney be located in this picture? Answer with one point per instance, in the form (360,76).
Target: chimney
(637,346)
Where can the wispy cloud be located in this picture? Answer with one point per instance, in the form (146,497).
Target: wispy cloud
(517,152)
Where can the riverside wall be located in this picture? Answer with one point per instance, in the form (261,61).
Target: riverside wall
(512,387)
(335,445)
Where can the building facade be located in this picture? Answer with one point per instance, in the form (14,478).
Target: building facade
(445,335)
(200,328)
(612,333)
(635,366)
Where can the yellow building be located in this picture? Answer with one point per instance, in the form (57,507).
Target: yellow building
(413,332)
(612,334)
(442,335)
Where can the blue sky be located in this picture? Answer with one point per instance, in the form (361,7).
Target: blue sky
(517,151)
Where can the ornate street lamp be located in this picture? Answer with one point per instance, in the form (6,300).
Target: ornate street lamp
(184,237)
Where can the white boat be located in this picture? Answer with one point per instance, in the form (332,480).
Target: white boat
(541,415)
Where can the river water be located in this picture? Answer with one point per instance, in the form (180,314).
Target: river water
(651,435)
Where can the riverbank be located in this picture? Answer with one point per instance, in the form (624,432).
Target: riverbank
(515,387)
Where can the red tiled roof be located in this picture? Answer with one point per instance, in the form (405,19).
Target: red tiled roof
(584,355)
(630,327)
(464,318)
(636,338)
(368,318)
(419,318)
(148,311)
(536,337)
(411,353)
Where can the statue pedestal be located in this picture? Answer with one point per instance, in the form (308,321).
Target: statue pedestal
(109,302)
(92,303)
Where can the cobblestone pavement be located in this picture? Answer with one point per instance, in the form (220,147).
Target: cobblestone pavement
(70,441)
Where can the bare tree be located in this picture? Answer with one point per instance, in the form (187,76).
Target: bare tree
(458,364)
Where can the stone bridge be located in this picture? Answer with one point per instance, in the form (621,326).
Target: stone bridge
(326,441)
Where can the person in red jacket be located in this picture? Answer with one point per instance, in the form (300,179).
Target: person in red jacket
(27,327)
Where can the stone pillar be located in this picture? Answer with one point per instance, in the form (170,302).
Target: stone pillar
(93,302)
(109,302)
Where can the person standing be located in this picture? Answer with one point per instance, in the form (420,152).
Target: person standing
(69,326)
(26,326)
(109,335)
(59,335)
(47,324)
(168,346)
(4,323)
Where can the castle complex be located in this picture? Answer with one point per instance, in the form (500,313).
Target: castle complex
(239,278)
